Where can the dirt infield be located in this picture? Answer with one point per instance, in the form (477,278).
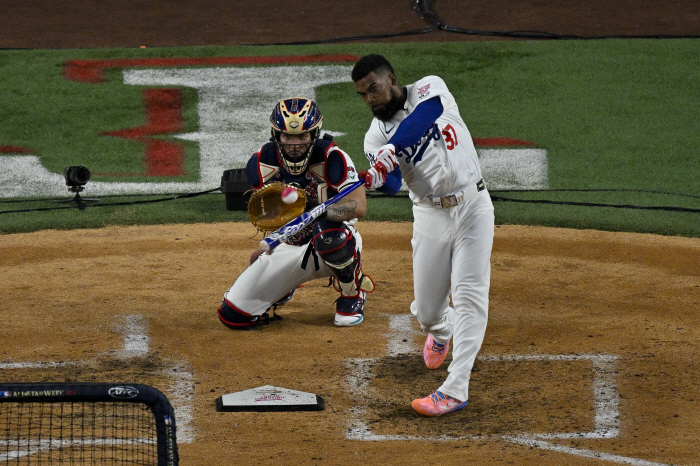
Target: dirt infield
(593,337)
(153,23)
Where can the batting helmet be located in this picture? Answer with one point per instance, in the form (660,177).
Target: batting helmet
(296,115)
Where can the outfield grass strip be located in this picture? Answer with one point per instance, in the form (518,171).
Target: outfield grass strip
(112,204)
(591,191)
(595,204)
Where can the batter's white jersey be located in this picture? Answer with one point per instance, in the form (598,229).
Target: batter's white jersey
(451,241)
(444,161)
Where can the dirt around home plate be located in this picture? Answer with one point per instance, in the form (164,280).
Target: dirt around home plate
(70,297)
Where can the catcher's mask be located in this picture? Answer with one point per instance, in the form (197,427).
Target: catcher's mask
(295,116)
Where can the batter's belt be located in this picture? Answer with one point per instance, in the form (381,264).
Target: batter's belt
(451,200)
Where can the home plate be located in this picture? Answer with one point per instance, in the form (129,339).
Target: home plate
(269,398)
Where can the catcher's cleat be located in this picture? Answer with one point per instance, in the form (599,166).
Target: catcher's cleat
(434,353)
(350,311)
(437,404)
(284,299)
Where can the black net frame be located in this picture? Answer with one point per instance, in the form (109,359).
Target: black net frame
(86,424)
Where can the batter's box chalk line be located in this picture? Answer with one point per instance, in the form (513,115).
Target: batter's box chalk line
(606,399)
(181,387)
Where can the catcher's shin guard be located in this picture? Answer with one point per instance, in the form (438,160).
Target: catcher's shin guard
(350,306)
(335,244)
(284,299)
(234,318)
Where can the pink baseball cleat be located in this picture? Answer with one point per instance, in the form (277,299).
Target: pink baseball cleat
(434,353)
(437,404)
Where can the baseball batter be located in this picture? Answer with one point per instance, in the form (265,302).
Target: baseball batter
(419,134)
(329,247)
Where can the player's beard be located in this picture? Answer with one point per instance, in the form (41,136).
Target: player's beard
(390,109)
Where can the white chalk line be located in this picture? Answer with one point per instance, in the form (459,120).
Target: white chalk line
(181,387)
(137,344)
(181,390)
(400,336)
(31,446)
(541,444)
(136,339)
(34,365)
(606,399)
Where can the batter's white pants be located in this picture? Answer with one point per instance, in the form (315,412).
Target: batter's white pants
(452,255)
(274,275)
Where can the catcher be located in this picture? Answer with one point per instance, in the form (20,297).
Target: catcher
(330,247)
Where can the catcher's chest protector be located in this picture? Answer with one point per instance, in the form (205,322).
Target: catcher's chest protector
(264,167)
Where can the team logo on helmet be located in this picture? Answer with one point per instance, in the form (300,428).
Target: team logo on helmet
(296,116)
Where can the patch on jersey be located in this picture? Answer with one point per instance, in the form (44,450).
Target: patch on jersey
(319,170)
(424,91)
(267,171)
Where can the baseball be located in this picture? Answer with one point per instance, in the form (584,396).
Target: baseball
(289,195)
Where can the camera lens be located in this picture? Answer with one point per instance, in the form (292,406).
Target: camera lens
(77,176)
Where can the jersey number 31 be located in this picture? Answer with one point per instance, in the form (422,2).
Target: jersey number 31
(450,137)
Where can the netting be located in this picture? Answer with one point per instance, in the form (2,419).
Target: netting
(82,433)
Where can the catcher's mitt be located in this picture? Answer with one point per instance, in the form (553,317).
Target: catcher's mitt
(268,212)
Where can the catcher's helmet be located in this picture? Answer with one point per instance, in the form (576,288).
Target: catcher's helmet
(296,115)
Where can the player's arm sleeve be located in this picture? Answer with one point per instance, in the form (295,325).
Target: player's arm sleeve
(392,184)
(417,123)
(409,133)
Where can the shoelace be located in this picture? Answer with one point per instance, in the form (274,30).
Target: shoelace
(436,398)
(437,347)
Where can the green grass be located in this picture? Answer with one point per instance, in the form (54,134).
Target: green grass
(204,208)
(611,114)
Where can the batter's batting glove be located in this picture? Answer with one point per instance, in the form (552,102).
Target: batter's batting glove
(387,158)
(374,177)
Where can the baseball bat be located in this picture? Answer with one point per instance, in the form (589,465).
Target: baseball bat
(294,226)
